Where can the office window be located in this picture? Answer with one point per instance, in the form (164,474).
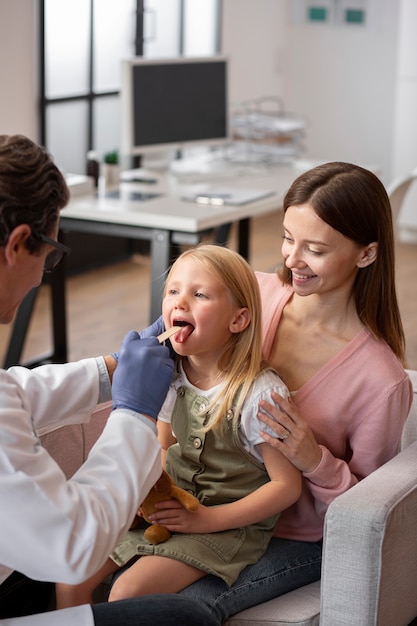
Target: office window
(83,42)
(66,49)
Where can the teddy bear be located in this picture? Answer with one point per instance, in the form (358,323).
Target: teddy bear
(164,489)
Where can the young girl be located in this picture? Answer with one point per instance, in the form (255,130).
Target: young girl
(211,436)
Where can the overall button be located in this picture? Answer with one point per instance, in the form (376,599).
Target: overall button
(197,442)
(180,391)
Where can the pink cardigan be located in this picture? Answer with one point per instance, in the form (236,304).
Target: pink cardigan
(356,405)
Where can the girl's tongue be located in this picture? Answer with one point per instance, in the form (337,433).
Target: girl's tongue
(183,334)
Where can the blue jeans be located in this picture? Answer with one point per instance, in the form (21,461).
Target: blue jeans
(286,565)
(155,610)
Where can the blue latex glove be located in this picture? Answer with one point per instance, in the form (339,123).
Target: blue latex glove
(142,376)
(156,329)
(153,330)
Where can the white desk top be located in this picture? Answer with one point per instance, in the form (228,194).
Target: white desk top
(168,211)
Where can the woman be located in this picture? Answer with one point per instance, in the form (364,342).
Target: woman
(332,330)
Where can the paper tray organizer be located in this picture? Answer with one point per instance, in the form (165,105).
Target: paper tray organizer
(264,131)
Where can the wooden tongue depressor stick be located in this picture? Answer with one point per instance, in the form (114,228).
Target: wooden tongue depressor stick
(168,333)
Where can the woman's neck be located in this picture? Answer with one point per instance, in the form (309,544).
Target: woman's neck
(334,312)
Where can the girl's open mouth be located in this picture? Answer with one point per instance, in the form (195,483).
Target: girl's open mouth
(184,333)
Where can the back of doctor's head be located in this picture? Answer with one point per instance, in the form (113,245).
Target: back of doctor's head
(353,201)
(32,188)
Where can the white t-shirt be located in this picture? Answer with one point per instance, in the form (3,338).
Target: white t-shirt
(250,425)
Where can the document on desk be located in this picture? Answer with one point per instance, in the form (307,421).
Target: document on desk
(218,196)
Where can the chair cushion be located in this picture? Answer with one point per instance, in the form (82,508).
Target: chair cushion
(300,607)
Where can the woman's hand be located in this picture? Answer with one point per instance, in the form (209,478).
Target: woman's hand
(175,518)
(295,438)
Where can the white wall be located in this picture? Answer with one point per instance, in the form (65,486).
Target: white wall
(341,78)
(253,37)
(405,122)
(357,86)
(18,62)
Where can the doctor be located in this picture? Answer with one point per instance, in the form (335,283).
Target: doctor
(53,529)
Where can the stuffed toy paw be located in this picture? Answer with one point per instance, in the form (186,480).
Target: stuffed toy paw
(164,489)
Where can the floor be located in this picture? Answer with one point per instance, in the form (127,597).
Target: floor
(105,303)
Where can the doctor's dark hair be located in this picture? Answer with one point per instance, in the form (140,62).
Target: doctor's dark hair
(32,189)
(353,201)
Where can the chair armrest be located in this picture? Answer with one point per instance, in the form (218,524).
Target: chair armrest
(70,445)
(93,429)
(370,549)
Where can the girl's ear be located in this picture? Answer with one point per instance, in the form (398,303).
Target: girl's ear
(369,255)
(240,321)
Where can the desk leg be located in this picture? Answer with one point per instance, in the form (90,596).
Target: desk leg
(59,314)
(222,234)
(22,321)
(19,330)
(160,261)
(243,237)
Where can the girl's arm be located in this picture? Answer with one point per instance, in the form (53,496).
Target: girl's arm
(166,438)
(279,493)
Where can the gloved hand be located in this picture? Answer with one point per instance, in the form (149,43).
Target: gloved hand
(142,376)
(154,329)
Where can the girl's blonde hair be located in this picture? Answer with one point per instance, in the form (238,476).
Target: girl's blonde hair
(241,357)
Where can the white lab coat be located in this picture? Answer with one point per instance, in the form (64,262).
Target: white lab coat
(52,529)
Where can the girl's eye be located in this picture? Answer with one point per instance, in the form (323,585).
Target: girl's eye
(199,295)
(172,292)
(315,252)
(286,238)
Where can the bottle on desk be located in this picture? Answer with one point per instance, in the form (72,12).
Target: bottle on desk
(93,166)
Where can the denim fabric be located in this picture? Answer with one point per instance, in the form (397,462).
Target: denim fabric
(155,610)
(286,565)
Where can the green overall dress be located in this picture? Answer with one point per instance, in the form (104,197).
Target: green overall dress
(216,468)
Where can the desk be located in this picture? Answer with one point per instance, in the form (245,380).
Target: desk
(166,221)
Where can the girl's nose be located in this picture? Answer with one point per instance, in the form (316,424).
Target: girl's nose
(180,302)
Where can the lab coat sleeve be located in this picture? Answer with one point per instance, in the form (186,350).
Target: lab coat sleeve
(65,530)
(55,395)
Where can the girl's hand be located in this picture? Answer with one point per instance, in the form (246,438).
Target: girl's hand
(175,518)
(295,438)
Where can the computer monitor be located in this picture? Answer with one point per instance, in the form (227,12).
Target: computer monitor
(173,103)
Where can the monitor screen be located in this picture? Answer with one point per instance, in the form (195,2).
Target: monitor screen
(171,103)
